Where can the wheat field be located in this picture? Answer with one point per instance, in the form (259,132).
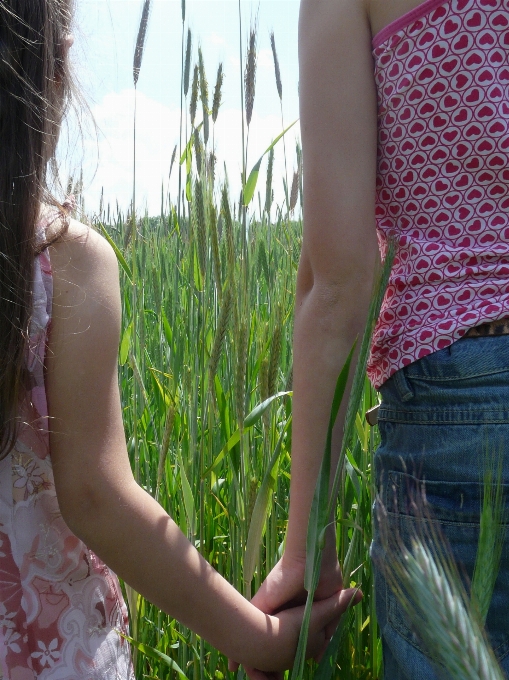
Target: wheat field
(205,372)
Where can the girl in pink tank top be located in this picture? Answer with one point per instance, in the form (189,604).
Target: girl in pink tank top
(69,504)
(405,136)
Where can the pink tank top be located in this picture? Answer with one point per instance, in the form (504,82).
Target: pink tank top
(442,191)
(61,608)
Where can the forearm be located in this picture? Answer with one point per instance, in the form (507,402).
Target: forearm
(143,545)
(326,328)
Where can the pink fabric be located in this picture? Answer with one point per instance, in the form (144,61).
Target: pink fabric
(442,190)
(60,607)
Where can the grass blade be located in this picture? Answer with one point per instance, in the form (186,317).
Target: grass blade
(250,185)
(156,655)
(259,410)
(491,538)
(261,509)
(121,259)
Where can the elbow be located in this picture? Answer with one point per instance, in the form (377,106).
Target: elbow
(82,509)
(341,302)
(335,283)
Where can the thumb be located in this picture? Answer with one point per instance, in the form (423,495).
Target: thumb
(324,612)
(261,600)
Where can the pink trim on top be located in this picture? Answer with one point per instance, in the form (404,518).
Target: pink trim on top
(405,19)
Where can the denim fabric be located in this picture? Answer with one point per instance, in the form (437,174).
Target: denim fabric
(438,418)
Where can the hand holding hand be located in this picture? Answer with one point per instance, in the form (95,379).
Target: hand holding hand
(284,586)
(286,625)
(284,589)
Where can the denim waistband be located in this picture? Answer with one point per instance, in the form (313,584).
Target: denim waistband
(467,382)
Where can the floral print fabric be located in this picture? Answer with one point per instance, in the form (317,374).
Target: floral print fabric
(61,609)
(442,193)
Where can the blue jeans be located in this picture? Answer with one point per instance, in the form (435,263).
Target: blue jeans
(438,419)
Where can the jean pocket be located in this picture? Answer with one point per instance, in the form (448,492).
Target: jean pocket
(450,513)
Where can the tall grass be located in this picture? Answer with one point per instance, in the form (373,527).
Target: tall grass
(205,377)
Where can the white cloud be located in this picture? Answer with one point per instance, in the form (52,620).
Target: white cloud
(157,134)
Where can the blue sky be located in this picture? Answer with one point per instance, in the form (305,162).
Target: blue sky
(103,55)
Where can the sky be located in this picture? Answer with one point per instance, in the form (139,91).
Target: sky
(105,37)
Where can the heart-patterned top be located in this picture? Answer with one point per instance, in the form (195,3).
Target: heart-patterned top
(442,188)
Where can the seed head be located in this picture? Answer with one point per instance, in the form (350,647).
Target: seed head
(199,217)
(294,193)
(212,166)
(214,238)
(240,373)
(250,73)
(228,225)
(140,41)
(172,159)
(204,96)
(263,266)
(276,66)
(222,326)
(198,151)
(216,102)
(194,94)
(187,63)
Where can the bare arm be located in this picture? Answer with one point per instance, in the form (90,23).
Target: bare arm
(339,253)
(338,119)
(98,496)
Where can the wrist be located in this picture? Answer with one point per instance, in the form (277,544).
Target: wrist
(296,544)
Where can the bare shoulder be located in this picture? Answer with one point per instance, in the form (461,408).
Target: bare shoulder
(83,254)
(85,284)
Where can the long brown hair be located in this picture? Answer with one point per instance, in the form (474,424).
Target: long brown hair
(35,85)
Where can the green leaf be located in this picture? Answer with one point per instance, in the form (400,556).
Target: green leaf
(188,149)
(250,185)
(198,277)
(491,536)
(261,508)
(260,409)
(121,259)
(125,344)
(249,421)
(155,654)
(351,471)
(234,439)
(168,334)
(188,496)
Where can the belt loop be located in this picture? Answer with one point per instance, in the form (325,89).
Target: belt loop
(402,385)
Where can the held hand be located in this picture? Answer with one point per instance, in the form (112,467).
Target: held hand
(284,586)
(325,616)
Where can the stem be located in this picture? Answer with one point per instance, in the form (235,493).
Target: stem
(181,116)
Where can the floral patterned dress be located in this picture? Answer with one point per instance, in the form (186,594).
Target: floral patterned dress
(61,608)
